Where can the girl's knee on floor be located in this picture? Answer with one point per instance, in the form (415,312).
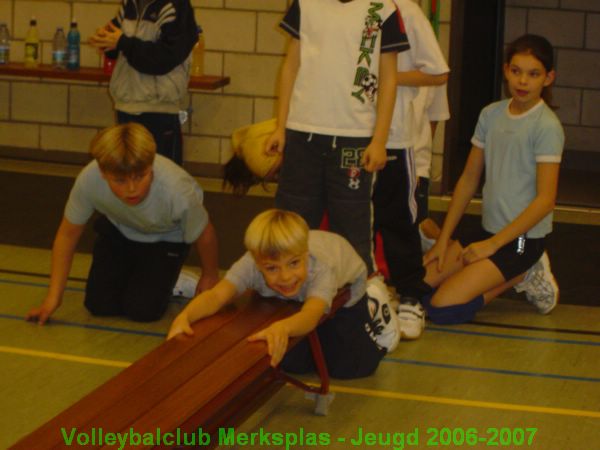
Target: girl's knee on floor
(451,314)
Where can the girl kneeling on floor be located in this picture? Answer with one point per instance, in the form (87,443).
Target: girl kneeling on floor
(519,142)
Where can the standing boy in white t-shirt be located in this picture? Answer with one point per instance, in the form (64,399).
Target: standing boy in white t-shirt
(394,195)
(336,97)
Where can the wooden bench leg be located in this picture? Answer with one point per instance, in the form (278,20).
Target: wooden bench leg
(320,394)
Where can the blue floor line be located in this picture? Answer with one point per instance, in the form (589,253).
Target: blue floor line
(72,289)
(429,328)
(392,360)
(496,371)
(91,326)
(44,285)
(511,336)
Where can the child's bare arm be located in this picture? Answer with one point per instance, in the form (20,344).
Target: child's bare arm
(375,157)
(203,305)
(287,78)
(463,193)
(63,249)
(207,248)
(416,78)
(299,324)
(542,205)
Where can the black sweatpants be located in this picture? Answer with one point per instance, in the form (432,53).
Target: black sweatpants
(165,128)
(348,349)
(321,173)
(395,214)
(131,278)
(422,196)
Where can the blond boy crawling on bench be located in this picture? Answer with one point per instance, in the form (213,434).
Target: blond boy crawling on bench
(286,260)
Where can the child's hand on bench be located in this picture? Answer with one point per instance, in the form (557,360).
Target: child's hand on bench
(181,324)
(277,337)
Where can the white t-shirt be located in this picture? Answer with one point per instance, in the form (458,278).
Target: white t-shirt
(424,55)
(340,44)
(332,264)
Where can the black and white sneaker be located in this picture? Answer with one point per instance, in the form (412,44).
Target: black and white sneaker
(384,326)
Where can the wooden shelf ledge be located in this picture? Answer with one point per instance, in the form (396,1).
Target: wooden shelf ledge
(208,82)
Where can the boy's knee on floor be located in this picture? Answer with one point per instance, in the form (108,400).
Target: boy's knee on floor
(144,314)
(99,308)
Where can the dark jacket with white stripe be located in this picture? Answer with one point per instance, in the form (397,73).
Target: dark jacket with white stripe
(152,70)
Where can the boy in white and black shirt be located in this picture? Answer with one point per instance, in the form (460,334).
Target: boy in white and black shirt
(337,90)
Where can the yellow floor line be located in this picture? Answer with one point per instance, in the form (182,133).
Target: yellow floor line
(340,389)
(64,357)
(460,402)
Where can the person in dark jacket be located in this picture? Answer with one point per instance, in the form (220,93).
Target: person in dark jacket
(152,41)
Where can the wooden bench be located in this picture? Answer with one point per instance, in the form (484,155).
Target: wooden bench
(212,381)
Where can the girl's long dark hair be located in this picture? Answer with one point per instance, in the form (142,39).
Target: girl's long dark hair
(238,177)
(541,49)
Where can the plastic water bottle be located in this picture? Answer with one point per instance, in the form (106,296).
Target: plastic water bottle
(73,40)
(32,45)
(4,44)
(59,49)
(198,55)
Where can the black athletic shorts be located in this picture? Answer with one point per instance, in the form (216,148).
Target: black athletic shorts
(515,257)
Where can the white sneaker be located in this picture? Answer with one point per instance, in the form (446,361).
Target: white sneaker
(186,284)
(540,286)
(411,317)
(384,330)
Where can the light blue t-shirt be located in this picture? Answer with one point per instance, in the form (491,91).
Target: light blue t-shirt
(332,264)
(173,211)
(513,145)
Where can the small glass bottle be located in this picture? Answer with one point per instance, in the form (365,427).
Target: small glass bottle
(73,47)
(32,45)
(4,44)
(59,49)
(198,55)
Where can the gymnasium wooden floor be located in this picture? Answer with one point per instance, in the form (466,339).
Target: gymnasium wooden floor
(532,381)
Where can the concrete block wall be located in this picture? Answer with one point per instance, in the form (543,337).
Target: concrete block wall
(243,41)
(573,27)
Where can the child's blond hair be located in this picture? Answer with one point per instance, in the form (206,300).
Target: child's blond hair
(276,232)
(125,149)
(250,164)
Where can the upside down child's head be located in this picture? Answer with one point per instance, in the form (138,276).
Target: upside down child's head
(125,154)
(278,241)
(529,70)
(251,164)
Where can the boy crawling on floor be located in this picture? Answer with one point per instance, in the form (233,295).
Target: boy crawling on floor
(286,260)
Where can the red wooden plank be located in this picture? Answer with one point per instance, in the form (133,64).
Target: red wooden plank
(169,365)
(209,82)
